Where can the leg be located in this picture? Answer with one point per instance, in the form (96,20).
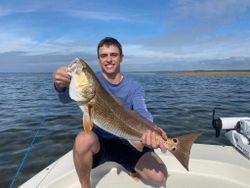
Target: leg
(151,168)
(86,145)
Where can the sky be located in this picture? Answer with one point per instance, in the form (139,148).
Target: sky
(39,36)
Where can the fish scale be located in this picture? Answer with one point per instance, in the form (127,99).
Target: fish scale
(113,120)
(104,123)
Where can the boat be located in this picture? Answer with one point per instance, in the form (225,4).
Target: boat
(209,166)
(237,131)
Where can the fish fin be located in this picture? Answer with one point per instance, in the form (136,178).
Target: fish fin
(137,145)
(87,123)
(182,146)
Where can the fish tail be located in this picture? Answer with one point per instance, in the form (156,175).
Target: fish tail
(182,146)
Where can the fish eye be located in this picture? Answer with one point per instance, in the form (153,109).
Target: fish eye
(175,140)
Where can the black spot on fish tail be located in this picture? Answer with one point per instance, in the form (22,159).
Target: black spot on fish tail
(182,147)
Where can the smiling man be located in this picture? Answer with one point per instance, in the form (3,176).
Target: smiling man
(97,147)
(110,56)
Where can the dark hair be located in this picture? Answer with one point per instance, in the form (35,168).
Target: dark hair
(109,41)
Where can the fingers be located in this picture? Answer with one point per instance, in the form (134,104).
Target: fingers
(149,139)
(146,138)
(163,134)
(162,147)
(61,78)
(154,142)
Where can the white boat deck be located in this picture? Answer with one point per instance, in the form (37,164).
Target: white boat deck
(209,166)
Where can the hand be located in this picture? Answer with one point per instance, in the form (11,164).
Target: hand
(61,78)
(149,139)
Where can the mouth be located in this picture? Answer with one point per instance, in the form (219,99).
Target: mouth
(110,66)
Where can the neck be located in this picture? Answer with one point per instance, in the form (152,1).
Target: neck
(113,78)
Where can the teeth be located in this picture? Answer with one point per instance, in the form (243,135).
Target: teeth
(109,66)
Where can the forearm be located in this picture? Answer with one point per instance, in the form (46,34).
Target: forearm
(64,95)
(145,113)
(61,84)
(139,104)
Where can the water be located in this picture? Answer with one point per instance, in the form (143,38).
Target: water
(179,104)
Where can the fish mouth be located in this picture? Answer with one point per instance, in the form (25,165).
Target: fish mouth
(76,66)
(81,89)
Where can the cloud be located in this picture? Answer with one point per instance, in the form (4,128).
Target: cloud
(185,31)
(5,11)
(29,46)
(200,30)
(56,7)
(191,23)
(169,48)
(205,13)
(140,52)
(21,62)
(96,15)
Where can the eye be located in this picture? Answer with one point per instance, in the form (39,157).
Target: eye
(103,55)
(114,54)
(175,140)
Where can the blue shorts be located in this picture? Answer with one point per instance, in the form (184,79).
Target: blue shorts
(118,150)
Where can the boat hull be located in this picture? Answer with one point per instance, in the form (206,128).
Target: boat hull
(210,166)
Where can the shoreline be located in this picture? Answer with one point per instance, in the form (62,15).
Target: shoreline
(247,72)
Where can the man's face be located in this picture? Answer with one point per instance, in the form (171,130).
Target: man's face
(110,59)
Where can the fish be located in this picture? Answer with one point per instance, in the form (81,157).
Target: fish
(103,110)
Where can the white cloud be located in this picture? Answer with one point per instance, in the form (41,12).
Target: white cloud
(195,32)
(206,12)
(14,43)
(160,49)
(10,11)
(141,51)
(217,48)
(75,12)
(96,15)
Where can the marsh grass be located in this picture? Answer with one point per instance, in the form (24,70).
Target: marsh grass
(213,72)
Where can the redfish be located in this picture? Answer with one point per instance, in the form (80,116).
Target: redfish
(103,110)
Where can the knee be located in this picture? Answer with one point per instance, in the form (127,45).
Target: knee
(84,142)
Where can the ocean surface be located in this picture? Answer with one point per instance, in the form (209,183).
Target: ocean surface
(179,104)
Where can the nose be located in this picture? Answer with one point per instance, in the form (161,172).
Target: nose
(109,58)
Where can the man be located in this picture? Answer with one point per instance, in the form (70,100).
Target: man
(98,146)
